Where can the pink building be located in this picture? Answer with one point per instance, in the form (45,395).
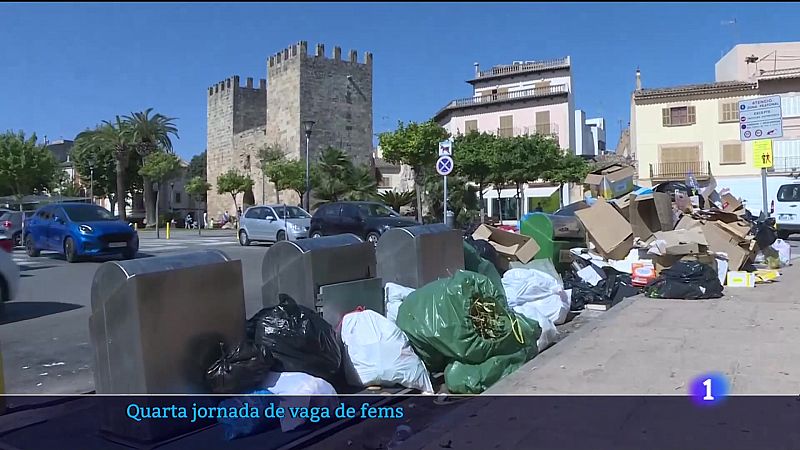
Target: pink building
(525,97)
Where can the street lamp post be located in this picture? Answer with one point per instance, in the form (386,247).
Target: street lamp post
(171,195)
(308,125)
(91,183)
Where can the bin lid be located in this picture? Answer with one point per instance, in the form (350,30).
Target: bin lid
(419,230)
(306,245)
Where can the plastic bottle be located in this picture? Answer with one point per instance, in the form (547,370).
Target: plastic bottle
(401,433)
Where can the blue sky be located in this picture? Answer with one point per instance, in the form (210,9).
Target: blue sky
(66,67)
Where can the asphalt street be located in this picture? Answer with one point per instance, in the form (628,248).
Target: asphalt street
(44,333)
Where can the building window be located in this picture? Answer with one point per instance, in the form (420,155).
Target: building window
(506,129)
(509,208)
(470,126)
(729,112)
(385,182)
(177,197)
(680,154)
(677,116)
(732,153)
(543,122)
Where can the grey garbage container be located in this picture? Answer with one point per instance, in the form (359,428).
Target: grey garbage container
(415,256)
(155,328)
(331,275)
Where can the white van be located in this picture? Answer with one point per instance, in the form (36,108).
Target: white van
(786,209)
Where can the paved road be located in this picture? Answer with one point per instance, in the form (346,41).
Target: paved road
(44,333)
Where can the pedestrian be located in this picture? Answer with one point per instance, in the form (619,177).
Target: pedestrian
(538,208)
(226,217)
(205,219)
(188,222)
(239,212)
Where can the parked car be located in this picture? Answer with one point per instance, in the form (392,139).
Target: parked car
(9,272)
(367,220)
(273,223)
(11,225)
(787,210)
(77,230)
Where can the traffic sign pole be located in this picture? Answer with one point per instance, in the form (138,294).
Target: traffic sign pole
(444,165)
(444,214)
(761,120)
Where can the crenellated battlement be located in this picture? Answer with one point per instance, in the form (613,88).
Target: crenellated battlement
(233,83)
(300,50)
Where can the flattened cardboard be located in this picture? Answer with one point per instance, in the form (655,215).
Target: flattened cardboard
(683,242)
(739,229)
(611,182)
(607,229)
(719,240)
(516,247)
(731,204)
(687,223)
(650,213)
(623,205)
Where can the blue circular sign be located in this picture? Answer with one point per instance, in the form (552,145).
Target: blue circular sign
(444,165)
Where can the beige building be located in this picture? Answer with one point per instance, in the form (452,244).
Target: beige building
(695,128)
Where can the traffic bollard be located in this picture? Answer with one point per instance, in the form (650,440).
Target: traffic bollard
(167,230)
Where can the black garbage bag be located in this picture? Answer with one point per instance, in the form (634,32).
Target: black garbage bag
(486,251)
(299,339)
(615,287)
(688,280)
(239,371)
(765,232)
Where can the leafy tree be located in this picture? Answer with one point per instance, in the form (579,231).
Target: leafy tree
(462,198)
(272,165)
(416,145)
(362,183)
(397,200)
(500,160)
(198,188)
(234,183)
(337,178)
(474,157)
(160,166)
(25,166)
(569,168)
(197,166)
(149,134)
(67,186)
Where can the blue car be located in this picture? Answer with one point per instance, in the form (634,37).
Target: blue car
(79,230)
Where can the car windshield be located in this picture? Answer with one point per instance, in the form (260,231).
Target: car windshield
(789,193)
(87,213)
(292,212)
(5,216)
(376,210)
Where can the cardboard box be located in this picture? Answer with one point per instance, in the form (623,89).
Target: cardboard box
(682,242)
(731,204)
(650,213)
(611,182)
(741,279)
(607,229)
(739,229)
(513,246)
(663,262)
(720,240)
(687,223)
(642,273)
(623,205)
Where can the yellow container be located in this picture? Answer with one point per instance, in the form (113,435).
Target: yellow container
(741,279)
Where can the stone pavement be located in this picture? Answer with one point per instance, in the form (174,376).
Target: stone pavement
(644,347)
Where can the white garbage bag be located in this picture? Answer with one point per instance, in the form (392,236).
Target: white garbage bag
(784,251)
(302,391)
(549,331)
(394,294)
(377,352)
(542,291)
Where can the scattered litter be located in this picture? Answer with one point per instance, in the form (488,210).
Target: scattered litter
(741,279)
(53,364)
(686,280)
(43,374)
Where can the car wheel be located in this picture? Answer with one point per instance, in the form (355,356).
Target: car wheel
(69,250)
(373,238)
(281,236)
(316,234)
(244,240)
(30,248)
(129,254)
(783,234)
(17,240)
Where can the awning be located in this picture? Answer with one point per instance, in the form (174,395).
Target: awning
(541,191)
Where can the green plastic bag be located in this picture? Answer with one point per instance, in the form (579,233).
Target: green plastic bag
(443,323)
(474,263)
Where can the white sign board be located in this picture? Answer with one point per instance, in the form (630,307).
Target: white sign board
(760,118)
(445,148)
(444,165)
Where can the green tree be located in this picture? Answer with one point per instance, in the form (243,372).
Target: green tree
(197,166)
(500,160)
(416,145)
(95,164)
(474,157)
(362,183)
(273,161)
(234,183)
(397,200)
(149,134)
(462,198)
(159,167)
(25,166)
(198,187)
(337,178)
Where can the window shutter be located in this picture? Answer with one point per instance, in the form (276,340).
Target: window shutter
(543,122)
(692,118)
(470,126)
(506,126)
(665,117)
(732,154)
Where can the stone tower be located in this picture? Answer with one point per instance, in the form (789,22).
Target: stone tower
(335,93)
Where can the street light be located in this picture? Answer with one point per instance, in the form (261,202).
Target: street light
(171,195)
(308,125)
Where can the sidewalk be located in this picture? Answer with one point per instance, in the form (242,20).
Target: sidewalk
(648,347)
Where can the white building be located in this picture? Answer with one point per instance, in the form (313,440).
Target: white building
(590,135)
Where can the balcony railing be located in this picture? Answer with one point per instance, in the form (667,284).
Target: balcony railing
(506,96)
(517,68)
(677,171)
(549,129)
(785,164)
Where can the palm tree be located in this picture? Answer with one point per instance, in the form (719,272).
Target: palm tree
(149,134)
(362,183)
(114,135)
(397,200)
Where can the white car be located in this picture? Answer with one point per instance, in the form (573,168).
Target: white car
(9,271)
(787,210)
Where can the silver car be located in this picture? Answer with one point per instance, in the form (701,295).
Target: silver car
(272,223)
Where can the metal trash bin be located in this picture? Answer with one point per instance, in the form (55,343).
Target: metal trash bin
(331,275)
(415,256)
(155,328)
